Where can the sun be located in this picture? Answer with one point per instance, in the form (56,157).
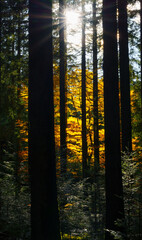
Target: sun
(73,26)
(72,18)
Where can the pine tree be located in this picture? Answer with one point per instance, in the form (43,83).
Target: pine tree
(95,89)
(95,110)
(84,139)
(114,192)
(63,144)
(44,209)
(141,48)
(124,77)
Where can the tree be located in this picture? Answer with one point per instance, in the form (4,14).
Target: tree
(44,209)
(18,33)
(0,103)
(0,37)
(95,110)
(95,89)
(113,178)
(0,61)
(124,77)
(83,65)
(141,47)
(63,144)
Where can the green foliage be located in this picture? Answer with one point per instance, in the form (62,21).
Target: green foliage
(132,172)
(14,191)
(14,199)
(15,212)
(76,204)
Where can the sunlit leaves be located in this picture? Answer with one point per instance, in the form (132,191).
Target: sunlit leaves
(74,116)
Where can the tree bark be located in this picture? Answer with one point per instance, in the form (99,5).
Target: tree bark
(63,144)
(84,139)
(124,77)
(0,41)
(44,209)
(18,147)
(113,177)
(96,126)
(141,49)
(95,90)
(0,113)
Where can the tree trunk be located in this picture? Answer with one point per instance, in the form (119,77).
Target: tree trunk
(18,144)
(95,109)
(124,77)
(114,191)
(63,144)
(0,42)
(95,90)
(141,49)
(44,209)
(0,113)
(84,139)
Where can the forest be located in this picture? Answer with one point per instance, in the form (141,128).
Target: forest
(70,119)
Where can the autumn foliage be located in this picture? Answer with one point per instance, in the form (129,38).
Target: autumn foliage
(73,112)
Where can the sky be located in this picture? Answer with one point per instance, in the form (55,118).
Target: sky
(73,23)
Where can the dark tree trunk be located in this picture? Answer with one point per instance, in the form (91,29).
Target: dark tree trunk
(44,209)
(84,139)
(141,49)
(114,191)
(95,109)
(63,144)
(124,77)
(0,57)
(95,90)
(0,43)
(17,162)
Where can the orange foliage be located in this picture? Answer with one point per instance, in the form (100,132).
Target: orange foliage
(74,122)
(23,138)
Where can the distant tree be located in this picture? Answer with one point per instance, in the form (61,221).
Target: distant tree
(0,36)
(95,111)
(44,209)
(124,76)
(95,89)
(114,191)
(0,61)
(141,48)
(0,108)
(63,144)
(83,66)
(18,41)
